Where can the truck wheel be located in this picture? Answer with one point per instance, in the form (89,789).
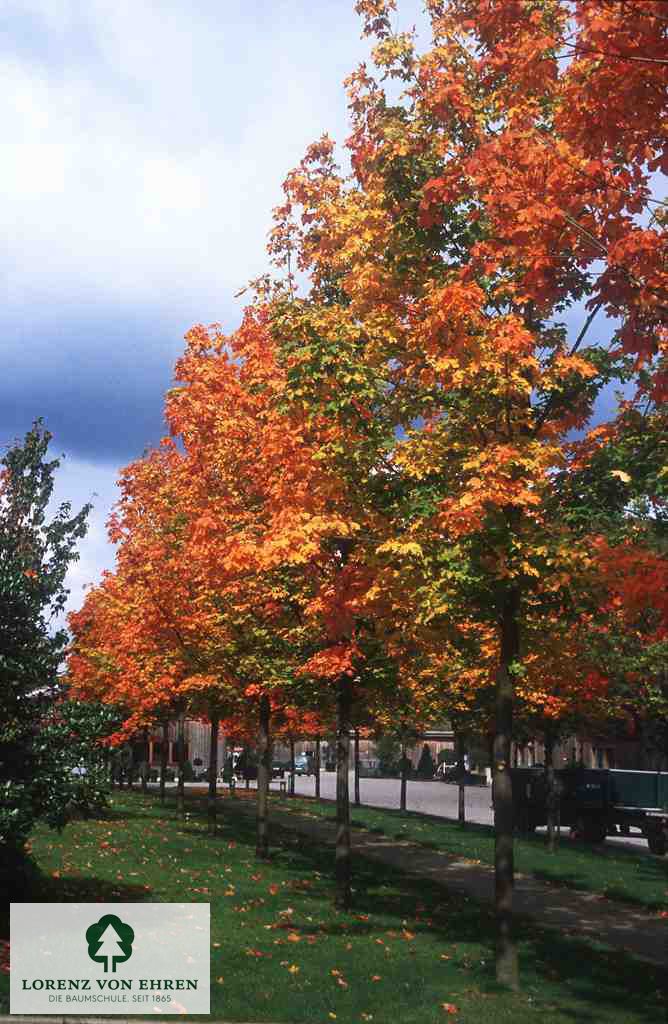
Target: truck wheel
(657,842)
(592,830)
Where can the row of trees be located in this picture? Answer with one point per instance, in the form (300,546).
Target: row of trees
(393,493)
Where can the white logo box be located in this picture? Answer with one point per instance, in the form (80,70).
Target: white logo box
(109,958)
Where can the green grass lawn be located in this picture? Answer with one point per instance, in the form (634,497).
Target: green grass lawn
(406,953)
(616,873)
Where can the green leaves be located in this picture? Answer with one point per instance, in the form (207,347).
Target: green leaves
(35,554)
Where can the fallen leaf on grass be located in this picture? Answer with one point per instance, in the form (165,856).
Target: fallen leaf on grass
(449,1008)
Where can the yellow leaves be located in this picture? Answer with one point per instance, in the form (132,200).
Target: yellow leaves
(529,570)
(293,969)
(621,475)
(401,548)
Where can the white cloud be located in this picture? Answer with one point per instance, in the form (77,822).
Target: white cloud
(146,141)
(79,483)
(144,146)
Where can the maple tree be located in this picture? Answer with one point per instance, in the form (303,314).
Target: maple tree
(487,201)
(286,495)
(185,647)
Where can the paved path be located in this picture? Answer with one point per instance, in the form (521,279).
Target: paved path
(620,925)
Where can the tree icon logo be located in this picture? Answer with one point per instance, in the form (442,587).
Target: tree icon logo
(110,941)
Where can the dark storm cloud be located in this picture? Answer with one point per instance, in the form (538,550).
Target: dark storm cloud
(97,380)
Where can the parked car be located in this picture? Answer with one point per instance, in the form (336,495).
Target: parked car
(303,764)
(278,769)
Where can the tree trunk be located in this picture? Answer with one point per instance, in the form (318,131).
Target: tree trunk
(404,777)
(180,757)
(211,803)
(263,777)
(550,792)
(163,760)
(343,872)
(461,789)
(506,951)
(357,767)
(145,766)
(317,768)
(292,767)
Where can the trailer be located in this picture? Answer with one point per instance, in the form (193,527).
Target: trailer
(596,802)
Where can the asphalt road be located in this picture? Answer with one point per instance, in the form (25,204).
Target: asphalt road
(438,798)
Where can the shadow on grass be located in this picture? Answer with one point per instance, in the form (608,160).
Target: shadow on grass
(592,973)
(558,967)
(615,893)
(41,888)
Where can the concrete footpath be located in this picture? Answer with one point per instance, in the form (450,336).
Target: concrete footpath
(620,925)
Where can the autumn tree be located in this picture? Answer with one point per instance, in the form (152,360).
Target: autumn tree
(491,199)
(290,493)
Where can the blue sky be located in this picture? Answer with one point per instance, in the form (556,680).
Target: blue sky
(144,146)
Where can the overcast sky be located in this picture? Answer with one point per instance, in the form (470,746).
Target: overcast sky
(144,146)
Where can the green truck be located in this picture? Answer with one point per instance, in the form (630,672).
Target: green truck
(596,802)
